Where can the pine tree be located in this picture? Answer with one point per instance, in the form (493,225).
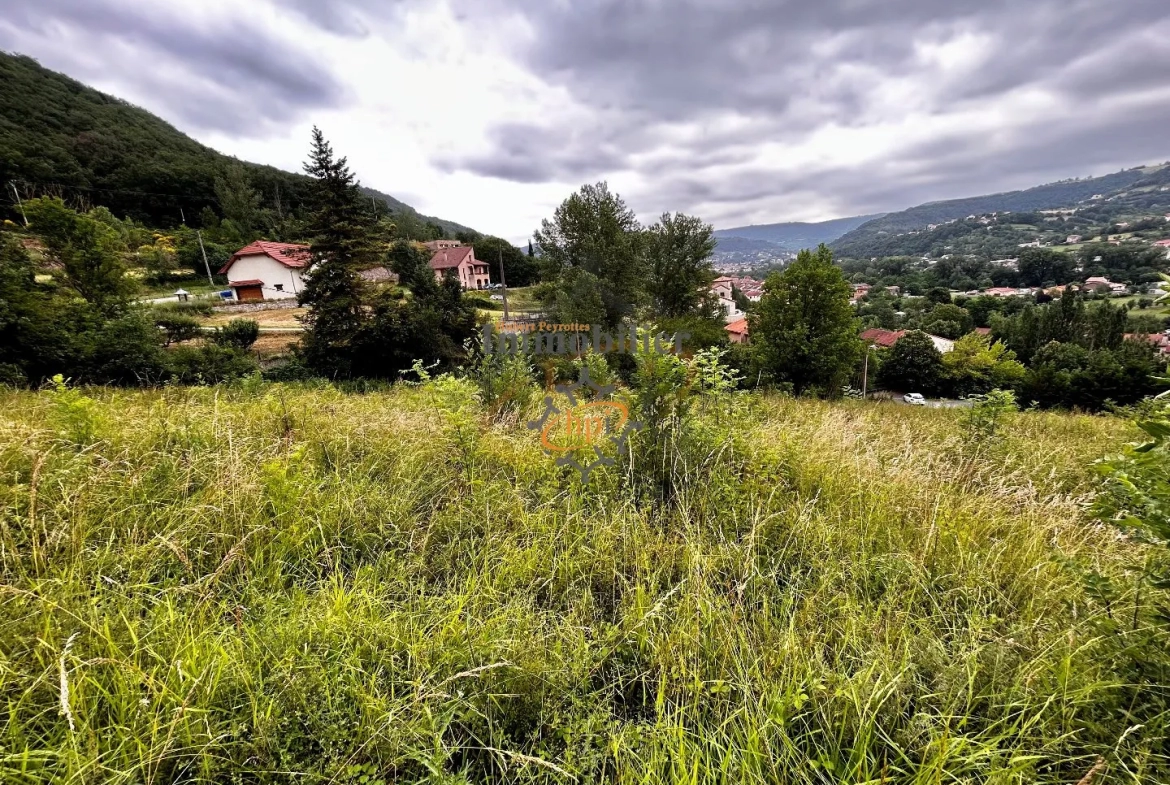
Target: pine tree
(342,245)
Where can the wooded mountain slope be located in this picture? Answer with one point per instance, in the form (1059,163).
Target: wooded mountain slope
(60,137)
(1133,189)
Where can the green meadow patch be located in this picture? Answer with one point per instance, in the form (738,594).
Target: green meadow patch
(281,583)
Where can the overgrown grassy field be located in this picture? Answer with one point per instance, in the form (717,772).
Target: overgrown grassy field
(273,583)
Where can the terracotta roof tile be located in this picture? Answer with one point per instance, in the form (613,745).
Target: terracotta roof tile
(288,254)
(450,257)
(883,338)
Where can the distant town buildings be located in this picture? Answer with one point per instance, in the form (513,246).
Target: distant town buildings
(724,287)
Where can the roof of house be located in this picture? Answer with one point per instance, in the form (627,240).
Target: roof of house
(1158,339)
(1100,280)
(983,330)
(288,254)
(1002,290)
(738,327)
(451,257)
(883,338)
(1163,243)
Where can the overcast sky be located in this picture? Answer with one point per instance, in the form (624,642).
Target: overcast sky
(490,112)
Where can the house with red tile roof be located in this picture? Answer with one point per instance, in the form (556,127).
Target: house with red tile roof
(267,271)
(722,288)
(737,331)
(1160,341)
(460,261)
(885,339)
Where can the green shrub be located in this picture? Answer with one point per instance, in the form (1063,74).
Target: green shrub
(505,384)
(178,328)
(988,415)
(238,334)
(209,364)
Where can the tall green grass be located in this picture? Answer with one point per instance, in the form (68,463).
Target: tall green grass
(278,583)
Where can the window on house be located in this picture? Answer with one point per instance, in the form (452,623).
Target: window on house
(280,287)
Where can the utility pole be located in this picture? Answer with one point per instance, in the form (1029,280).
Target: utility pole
(19,203)
(503,282)
(865,374)
(182,216)
(203,251)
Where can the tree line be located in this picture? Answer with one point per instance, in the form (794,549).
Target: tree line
(597,264)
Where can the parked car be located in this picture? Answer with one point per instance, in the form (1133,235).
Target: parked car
(914,399)
(499,297)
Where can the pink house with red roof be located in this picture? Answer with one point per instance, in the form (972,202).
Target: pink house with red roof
(267,271)
(460,261)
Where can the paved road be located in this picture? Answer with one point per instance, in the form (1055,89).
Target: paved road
(941,403)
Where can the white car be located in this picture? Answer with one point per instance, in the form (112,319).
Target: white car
(914,399)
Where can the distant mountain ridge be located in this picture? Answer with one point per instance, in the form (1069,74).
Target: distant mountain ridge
(872,238)
(61,137)
(795,235)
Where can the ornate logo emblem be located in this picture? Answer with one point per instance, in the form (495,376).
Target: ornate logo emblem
(577,433)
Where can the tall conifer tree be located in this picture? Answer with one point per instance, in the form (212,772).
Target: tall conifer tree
(342,245)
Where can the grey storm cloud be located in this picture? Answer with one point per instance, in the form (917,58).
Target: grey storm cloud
(944,168)
(228,76)
(791,67)
(529,153)
(343,17)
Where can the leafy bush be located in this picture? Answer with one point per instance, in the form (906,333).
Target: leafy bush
(209,364)
(988,415)
(183,308)
(505,384)
(912,365)
(238,334)
(178,328)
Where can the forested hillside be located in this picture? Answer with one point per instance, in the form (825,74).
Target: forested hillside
(61,138)
(937,225)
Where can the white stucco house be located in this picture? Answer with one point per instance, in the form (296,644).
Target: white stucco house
(721,287)
(267,271)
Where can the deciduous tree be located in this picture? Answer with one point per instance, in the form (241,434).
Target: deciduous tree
(594,231)
(914,364)
(678,250)
(803,330)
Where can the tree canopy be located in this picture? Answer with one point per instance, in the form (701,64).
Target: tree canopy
(804,331)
